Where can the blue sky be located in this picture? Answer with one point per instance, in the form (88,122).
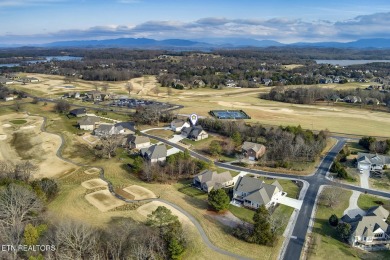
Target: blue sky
(39,21)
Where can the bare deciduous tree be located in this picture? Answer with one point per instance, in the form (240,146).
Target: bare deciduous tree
(129,87)
(18,206)
(105,87)
(330,196)
(75,241)
(110,143)
(24,170)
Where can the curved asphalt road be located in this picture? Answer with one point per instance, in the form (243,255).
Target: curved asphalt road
(197,225)
(297,239)
(295,244)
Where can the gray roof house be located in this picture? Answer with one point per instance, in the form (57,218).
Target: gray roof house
(108,129)
(208,180)
(78,112)
(253,193)
(252,151)
(88,122)
(154,153)
(195,133)
(178,124)
(369,161)
(371,231)
(129,127)
(137,141)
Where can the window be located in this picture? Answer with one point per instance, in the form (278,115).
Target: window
(379,235)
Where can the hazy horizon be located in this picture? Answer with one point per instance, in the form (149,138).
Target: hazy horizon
(44,21)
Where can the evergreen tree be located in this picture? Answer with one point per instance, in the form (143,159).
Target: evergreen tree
(262,233)
(344,230)
(333,220)
(218,200)
(237,139)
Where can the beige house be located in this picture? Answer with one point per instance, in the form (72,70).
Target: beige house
(370,232)
(208,180)
(138,141)
(253,151)
(88,122)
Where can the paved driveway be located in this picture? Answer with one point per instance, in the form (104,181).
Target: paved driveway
(172,151)
(176,138)
(353,209)
(294,203)
(364,176)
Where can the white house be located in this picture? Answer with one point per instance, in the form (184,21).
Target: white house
(253,193)
(368,161)
(9,98)
(178,124)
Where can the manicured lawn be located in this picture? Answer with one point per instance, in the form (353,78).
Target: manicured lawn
(184,186)
(161,133)
(18,121)
(242,213)
(367,201)
(288,186)
(327,245)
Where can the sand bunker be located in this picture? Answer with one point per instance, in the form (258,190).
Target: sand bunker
(42,150)
(148,208)
(94,183)
(27,127)
(103,200)
(92,171)
(139,193)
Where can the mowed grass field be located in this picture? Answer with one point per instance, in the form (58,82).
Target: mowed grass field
(338,119)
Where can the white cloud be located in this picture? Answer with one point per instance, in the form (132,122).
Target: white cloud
(281,29)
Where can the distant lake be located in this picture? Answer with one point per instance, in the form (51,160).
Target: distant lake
(348,62)
(44,59)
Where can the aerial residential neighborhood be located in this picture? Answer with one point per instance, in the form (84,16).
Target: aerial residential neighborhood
(194,130)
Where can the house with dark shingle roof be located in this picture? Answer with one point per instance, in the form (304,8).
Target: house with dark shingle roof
(253,193)
(195,133)
(154,153)
(371,231)
(208,180)
(369,161)
(252,151)
(88,122)
(78,112)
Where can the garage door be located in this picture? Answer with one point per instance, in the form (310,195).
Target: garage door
(252,158)
(364,167)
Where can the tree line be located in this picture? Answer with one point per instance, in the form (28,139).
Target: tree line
(309,95)
(25,221)
(283,144)
(375,146)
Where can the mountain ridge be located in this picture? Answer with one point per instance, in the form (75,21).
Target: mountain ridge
(208,43)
